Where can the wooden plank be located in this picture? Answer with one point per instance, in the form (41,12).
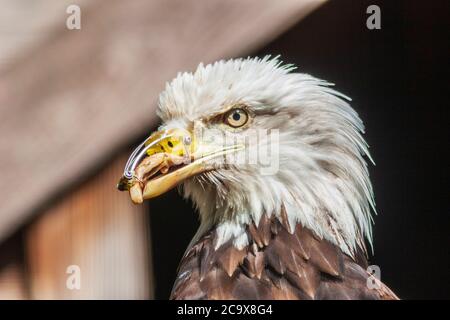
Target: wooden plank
(67,105)
(24,25)
(101,232)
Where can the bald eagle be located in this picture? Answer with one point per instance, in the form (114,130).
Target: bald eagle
(274,162)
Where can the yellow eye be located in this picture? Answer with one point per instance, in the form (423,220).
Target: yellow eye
(236,117)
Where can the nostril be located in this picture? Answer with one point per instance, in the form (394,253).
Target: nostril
(170,144)
(187,140)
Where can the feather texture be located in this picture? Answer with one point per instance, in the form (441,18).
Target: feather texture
(276,264)
(297,231)
(320,175)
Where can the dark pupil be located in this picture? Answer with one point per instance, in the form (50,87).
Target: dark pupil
(236,116)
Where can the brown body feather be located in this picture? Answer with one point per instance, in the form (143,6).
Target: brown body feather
(276,264)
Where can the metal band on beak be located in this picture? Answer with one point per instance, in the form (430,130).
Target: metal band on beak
(175,141)
(139,153)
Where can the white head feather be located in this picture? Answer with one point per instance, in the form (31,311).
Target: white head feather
(322,180)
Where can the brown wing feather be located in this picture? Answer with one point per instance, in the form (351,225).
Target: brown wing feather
(277,264)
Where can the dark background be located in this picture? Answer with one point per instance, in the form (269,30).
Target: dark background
(398,79)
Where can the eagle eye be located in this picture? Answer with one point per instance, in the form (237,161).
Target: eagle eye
(236,117)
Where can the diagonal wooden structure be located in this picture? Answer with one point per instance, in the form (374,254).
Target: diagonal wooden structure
(75,99)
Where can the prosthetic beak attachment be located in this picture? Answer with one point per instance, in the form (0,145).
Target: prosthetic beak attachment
(164,160)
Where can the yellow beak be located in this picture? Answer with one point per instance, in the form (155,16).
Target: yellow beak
(164,160)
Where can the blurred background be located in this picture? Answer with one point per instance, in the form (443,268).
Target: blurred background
(74,103)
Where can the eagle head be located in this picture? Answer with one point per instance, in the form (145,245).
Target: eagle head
(249,137)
